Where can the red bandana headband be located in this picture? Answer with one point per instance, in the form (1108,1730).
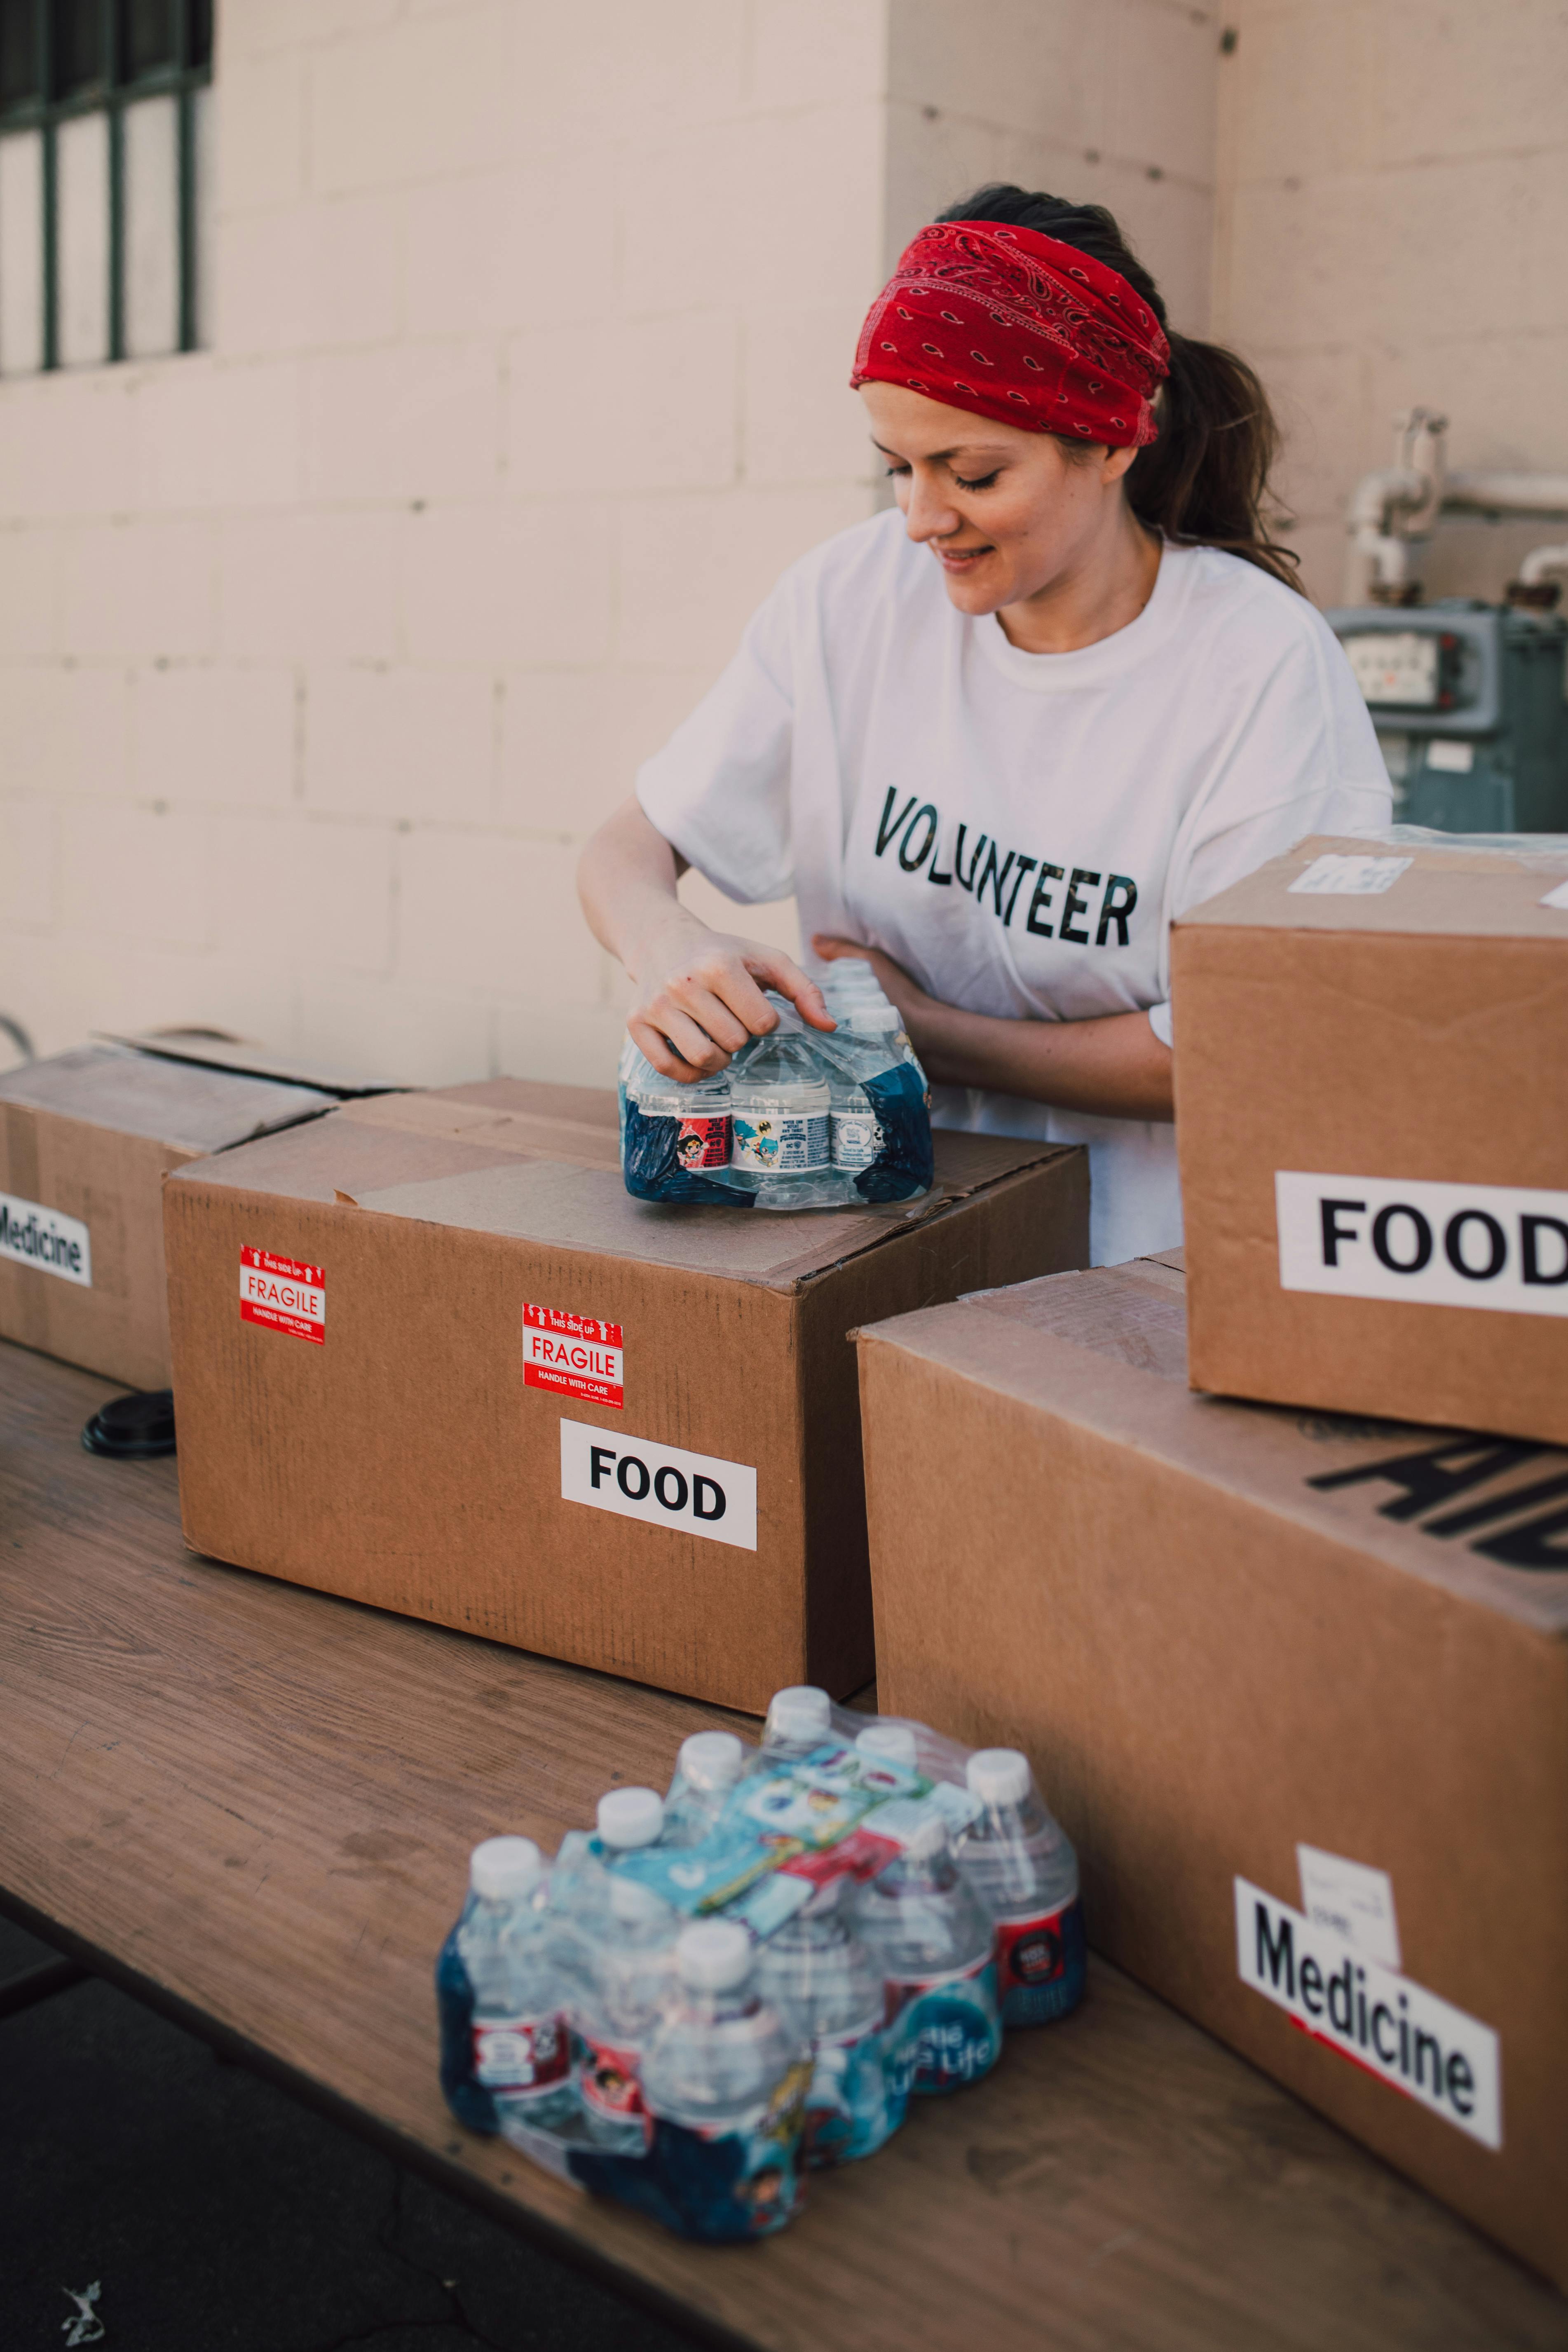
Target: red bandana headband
(1015,326)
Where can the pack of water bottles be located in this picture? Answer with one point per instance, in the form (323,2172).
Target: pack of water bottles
(718,1990)
(801,1119)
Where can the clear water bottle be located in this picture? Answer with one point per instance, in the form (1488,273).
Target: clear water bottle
(820,1976)
(893,1743)
(934,1942)
(724,2079)
(800,1718)
(1021,1864)
(505,2047)
(710,1764)
(629,1942)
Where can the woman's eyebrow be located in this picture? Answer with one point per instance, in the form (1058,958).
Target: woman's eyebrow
(941,457)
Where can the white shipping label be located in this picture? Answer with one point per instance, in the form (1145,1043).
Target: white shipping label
(1352,1900)
(662,1483)
(1337,876)
(1557,897)
(32,1236)
(1495,1245)
(1398,2031)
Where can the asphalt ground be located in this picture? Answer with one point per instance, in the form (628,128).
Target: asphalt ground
(214,2213)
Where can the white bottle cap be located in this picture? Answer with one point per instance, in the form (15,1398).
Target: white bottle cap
(800,1712)
(998,1776)
(928,1840)
(713,1957)
(893,1741)
(711,1759)
(630,1817)
(502,1868)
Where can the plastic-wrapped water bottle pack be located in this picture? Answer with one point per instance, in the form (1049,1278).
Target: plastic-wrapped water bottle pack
(801,1119)
(720,1989)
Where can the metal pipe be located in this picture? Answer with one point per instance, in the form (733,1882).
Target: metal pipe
(1486,493)
(1543,563)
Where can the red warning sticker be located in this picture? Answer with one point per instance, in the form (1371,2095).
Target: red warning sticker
(283,1294)
(574,1355)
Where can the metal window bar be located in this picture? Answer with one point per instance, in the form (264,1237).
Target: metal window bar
(111,92)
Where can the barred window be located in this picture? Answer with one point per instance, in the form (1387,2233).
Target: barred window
(102,109)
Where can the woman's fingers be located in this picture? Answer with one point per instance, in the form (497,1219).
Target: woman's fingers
(782,973)
(652,1040)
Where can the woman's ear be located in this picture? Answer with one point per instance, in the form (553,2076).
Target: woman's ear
(1117,462)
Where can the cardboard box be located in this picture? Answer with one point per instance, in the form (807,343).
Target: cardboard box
(1283,1677)
(86,1139)
(487,1387)
(1372,1116)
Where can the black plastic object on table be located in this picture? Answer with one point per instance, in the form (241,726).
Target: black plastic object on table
(134,1428)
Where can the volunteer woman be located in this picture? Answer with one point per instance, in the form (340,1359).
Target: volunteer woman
(997,740)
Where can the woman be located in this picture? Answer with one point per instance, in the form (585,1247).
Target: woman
(995,741)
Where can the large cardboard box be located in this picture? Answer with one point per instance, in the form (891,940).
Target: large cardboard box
(1297,1686)
(86,1139)
(429,1354)
(1372,1116)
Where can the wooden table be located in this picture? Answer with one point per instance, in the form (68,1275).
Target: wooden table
(253,1804)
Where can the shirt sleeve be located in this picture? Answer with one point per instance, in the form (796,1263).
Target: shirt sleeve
(720,790)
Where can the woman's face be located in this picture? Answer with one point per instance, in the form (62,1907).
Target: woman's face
(1007,514)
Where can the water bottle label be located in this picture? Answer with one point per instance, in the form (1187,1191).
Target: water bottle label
(856,2097)
(952,2023)
(610,2082)
(520,2053)
(857,1138)
(1041,1963)
(739,2182)
(703,1142)
(783,1143)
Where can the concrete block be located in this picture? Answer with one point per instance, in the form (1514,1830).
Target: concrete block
(415,98)
(1543,229)
(409,743)
(145,589)
(315,277)
(622,61)
(1039,66)
(419,1035)
(1489,387)
(416,421)
(260,141)
(211,434)
(140,874)
(66,986)
(801,421)
(66,729)
(775,923)
(571,740)
(1162,87)
(1320,402)
(1304,92)
(214,736)
(1171,226)
(29,860)
(1455,82)
(572,1045)
(694,568)
(306,892)
(68,448)
(290,24)
(28,593)
(495,914)
(532,247)
(509,583)
(625,404)
(806,52)
(321,587)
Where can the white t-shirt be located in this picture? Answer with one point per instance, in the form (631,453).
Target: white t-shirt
(1017,829)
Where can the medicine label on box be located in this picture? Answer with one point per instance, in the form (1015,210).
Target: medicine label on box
(1335,875)
(574,1355)
(1503,1247)
(664,1484)
(32,1236)
(283,1295)
(1354,1900)
(1398,2031)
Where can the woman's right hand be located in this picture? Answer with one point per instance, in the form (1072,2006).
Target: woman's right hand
(699,996)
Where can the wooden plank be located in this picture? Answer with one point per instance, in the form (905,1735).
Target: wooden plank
(261,1798)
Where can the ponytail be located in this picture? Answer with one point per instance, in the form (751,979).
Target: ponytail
(1204,482)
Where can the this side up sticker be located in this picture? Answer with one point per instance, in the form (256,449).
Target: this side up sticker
(574,1355)
(664,1484)
(283,1294)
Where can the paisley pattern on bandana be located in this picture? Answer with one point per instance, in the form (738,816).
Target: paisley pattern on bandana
(1016,326)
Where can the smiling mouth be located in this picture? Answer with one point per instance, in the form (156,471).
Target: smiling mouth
(960,555)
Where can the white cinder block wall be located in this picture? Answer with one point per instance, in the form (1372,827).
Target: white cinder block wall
(322,649)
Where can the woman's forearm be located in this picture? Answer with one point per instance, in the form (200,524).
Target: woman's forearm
(625,879)
(1111,1068)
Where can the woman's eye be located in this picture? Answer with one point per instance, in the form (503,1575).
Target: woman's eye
(984,483)
(889,471)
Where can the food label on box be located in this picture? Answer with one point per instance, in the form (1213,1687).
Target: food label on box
(32,1236)
(574,1355)
(1354,1900)
(1381,2020)
(662,1483)
(1493,1245)
(283,1294)
(1338,876)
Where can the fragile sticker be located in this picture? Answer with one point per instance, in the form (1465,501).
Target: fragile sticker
(1503,1247)
(697,1493)
(1335,875)
(1351,1899)
(1391,2027)
(32,1236)
(574,1355)
(283,1294)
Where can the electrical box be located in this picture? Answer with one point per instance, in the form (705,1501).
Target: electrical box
(1468,701)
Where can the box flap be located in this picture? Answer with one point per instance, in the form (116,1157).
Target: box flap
(215,1051)
(1483,1517)
(187,1105)
(1458,892)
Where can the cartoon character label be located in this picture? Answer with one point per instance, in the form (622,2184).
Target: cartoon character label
(744,2183)
(513,2054)
(782,1143)
(1041,1965)
(952,2026)
(609,2081)
(857,1138)
(860,2089)
(703,1142)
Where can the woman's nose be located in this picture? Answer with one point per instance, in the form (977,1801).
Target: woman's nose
(929,514)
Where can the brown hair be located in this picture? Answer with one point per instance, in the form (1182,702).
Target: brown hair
(1204,482)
